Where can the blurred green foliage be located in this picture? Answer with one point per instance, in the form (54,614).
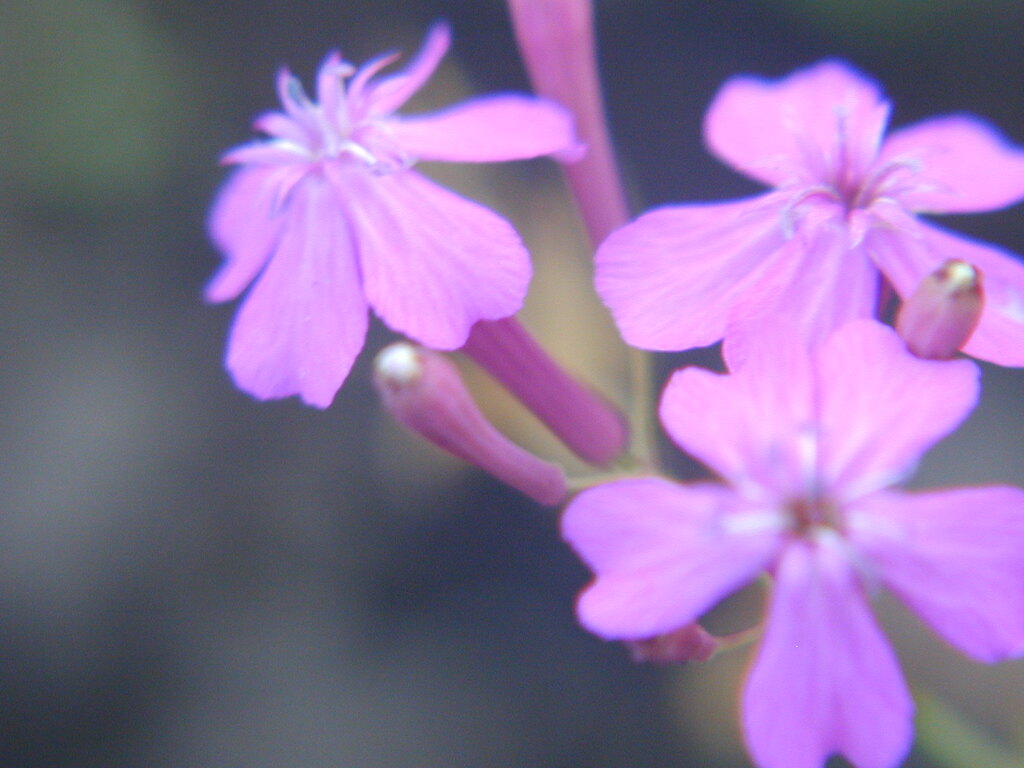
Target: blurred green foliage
(952,742)
(89,101)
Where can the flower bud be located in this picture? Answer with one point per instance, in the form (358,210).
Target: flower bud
(556,40)
(424,391)
(689,643)
(940,316)
(588,425)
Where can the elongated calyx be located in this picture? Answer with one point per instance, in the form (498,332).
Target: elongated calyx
(424,391)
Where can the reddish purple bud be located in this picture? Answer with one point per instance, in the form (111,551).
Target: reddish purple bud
(690,643)
(584,421)
(940,316)
(424,391)
(556,40)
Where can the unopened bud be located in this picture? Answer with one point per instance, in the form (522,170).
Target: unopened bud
(689,643)
(583,420)
(424,392)
(940,316)
(556,40)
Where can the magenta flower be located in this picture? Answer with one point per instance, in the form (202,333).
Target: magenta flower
(327,219)
(809,445)
(842,209)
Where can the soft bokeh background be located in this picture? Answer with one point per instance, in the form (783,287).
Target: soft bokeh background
(188,577)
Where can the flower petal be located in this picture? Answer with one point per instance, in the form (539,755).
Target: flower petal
(267,152)
(955,557)
(384,96)
(881,408)
(817,285)
(662,553)
(245,227)
(490,129)
(963,165)
(281,126)
(304,322)
(433,263)
(752,426)
(672,276)
(826,116)
(909,255)
(825,680)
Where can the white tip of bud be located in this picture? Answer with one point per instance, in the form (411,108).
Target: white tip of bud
(397,365)
(940,316)
(424,392)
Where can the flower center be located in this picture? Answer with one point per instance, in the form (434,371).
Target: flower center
(336,126)
(810,514)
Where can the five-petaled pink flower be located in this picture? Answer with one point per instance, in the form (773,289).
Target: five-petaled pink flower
(842,208)
(327,219)
(809,444)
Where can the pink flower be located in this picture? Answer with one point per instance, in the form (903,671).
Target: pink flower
(809,445)
(842,209)
(327,219)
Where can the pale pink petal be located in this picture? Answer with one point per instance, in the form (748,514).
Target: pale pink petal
(753,427)
(824,117)
(662,553)
(907,256)
(388,94)
(362,83)
(956,557)
(825,680)
(672,276)
(330,93)
(881,408)
(281,126)
(245,227)
(962,165)
(488,129)
(432,263)
(817,286)
(296,103)
(302,325)
(274,152)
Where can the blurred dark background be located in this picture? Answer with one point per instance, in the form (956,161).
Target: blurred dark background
(191,578)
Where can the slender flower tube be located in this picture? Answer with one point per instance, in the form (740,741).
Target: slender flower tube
(556,39)
(810,444)
(327,219)
(844,208)
(940,316)
(557,43)
(587,423)
(424,392)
